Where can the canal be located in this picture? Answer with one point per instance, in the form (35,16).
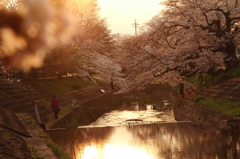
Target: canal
(149,134)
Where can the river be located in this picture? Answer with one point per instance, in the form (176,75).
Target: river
(149,134)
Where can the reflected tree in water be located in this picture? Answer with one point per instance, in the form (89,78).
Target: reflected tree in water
(75,140)
(164,141)
(185,140)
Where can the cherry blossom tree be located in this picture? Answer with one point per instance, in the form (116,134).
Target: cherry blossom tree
(11,5)
(92,32)
(94,45)
(218,19)
(89,51)
(60,60)
(28,30)
(91,37)
(188,37)
(92,65)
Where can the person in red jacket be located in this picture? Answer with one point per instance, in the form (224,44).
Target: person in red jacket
(55,106)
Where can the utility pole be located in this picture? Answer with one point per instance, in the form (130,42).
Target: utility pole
(135,25)
(118,37)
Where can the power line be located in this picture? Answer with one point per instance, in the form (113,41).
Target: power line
(135,25)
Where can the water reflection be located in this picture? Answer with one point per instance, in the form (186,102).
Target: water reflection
(135,106)
(115,151)
(149,107)
(128,117)
(152,141)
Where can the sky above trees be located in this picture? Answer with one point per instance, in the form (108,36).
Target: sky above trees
(121,14)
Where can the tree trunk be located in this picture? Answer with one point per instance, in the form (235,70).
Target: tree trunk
(204,81)
(212,80)
(181,89)
(200,79)
(44,74)
(231,59)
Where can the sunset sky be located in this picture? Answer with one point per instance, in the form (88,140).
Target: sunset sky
(121,14)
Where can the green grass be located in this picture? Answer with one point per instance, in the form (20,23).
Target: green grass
(218,79)
(221,105)
(234,72)
(58,151)
(65,109)
(5,136)
(35,154)
(32,122)
(61,86)
(35,126)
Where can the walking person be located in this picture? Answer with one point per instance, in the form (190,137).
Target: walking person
(55,106)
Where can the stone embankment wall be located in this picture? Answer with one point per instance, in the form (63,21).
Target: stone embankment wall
(88,112)
(188,111)
(91,110)
(185,110)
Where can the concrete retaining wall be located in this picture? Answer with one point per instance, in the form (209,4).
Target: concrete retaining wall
(188,111)
(89,111)
(185,110)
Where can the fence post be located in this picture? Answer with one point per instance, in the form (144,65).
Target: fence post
(35,107)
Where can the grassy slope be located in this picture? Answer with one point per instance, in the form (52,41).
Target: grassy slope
(219,78)
(61,86)
(64,85)
(220,105)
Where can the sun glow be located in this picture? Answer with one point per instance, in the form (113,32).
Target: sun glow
(90,152)
(122,13)
(110,151)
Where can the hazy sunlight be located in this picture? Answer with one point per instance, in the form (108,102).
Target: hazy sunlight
(121,14)
(110,151)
